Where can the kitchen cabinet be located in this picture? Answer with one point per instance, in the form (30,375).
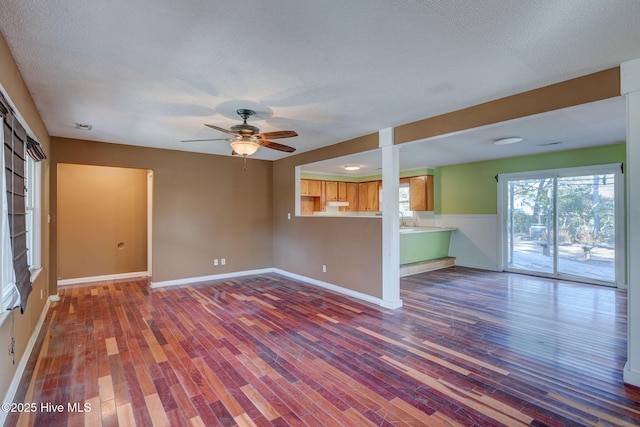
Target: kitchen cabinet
(331,191)
(352,196)
(342,195)
(342,191)
(310,187)
(421,193)
(304,187)
(369,196)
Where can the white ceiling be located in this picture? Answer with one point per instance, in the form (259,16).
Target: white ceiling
(150,73)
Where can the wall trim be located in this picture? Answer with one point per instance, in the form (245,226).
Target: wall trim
(201,279)
(339,289)
(629,376)
(307,280)
(17,375)
(486,267)
(76,281)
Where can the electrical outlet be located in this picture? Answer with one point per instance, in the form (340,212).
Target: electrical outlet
(324,268)
(223,261)
(215,261)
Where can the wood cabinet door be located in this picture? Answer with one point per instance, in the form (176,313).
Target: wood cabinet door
(421,193)
(362,196)
(315,188)
(429,195)
(352,196)
(331,191)
(417,192)
(373,196)
(304,187)
(368,196)
(342,191)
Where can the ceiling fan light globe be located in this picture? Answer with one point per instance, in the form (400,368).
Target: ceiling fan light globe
(245,148)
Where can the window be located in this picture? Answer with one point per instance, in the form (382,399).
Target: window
(32,205)
(26,229)
(404,203)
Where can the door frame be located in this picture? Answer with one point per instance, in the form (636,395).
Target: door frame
(619,190)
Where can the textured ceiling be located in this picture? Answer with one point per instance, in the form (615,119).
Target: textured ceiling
(151,73)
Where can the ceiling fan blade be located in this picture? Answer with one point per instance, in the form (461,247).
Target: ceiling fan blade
(208,139)
(279,147)
(221,129)
(277,134)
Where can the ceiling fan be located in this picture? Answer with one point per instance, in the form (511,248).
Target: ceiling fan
(247,138)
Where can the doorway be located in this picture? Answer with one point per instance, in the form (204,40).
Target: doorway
(564,223)
(103,223)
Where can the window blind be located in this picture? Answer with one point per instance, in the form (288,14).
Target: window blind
(15,141)
(34,150)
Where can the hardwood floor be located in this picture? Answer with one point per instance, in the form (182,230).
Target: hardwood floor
(469,348)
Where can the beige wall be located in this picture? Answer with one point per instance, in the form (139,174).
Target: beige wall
(102,221)
(204,206)
(14,87)
(351,248)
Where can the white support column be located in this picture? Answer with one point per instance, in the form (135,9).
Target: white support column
(390,220)
(630,87)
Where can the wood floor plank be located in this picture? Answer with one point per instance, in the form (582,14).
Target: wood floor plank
(125,415)
(468,348)
(156,411)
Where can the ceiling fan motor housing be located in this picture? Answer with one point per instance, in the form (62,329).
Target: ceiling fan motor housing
(245,129)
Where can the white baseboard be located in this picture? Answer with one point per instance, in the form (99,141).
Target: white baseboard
(66,282)
(340,289)
(200,279)
(487,267)
(17,375)
(308,280)
(630,377)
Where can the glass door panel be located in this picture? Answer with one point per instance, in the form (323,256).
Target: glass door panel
(563,225)
(586,226)
(530,225)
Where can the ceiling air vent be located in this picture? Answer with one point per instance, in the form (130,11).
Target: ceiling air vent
(83,126)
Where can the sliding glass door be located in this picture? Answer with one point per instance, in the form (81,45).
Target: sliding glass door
(563,223)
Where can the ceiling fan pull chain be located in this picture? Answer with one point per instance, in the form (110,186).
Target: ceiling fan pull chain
(244,168)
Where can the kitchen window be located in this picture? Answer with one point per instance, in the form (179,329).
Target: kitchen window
(405,202)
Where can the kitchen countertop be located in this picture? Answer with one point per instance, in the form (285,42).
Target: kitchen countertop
(431,229)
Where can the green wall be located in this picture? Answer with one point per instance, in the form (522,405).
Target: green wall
(416,247)
(471,188)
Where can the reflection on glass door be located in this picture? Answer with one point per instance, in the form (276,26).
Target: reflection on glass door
(562,226)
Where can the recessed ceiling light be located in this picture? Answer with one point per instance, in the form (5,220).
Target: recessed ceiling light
(352,167)
(506,141)
(83,126)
